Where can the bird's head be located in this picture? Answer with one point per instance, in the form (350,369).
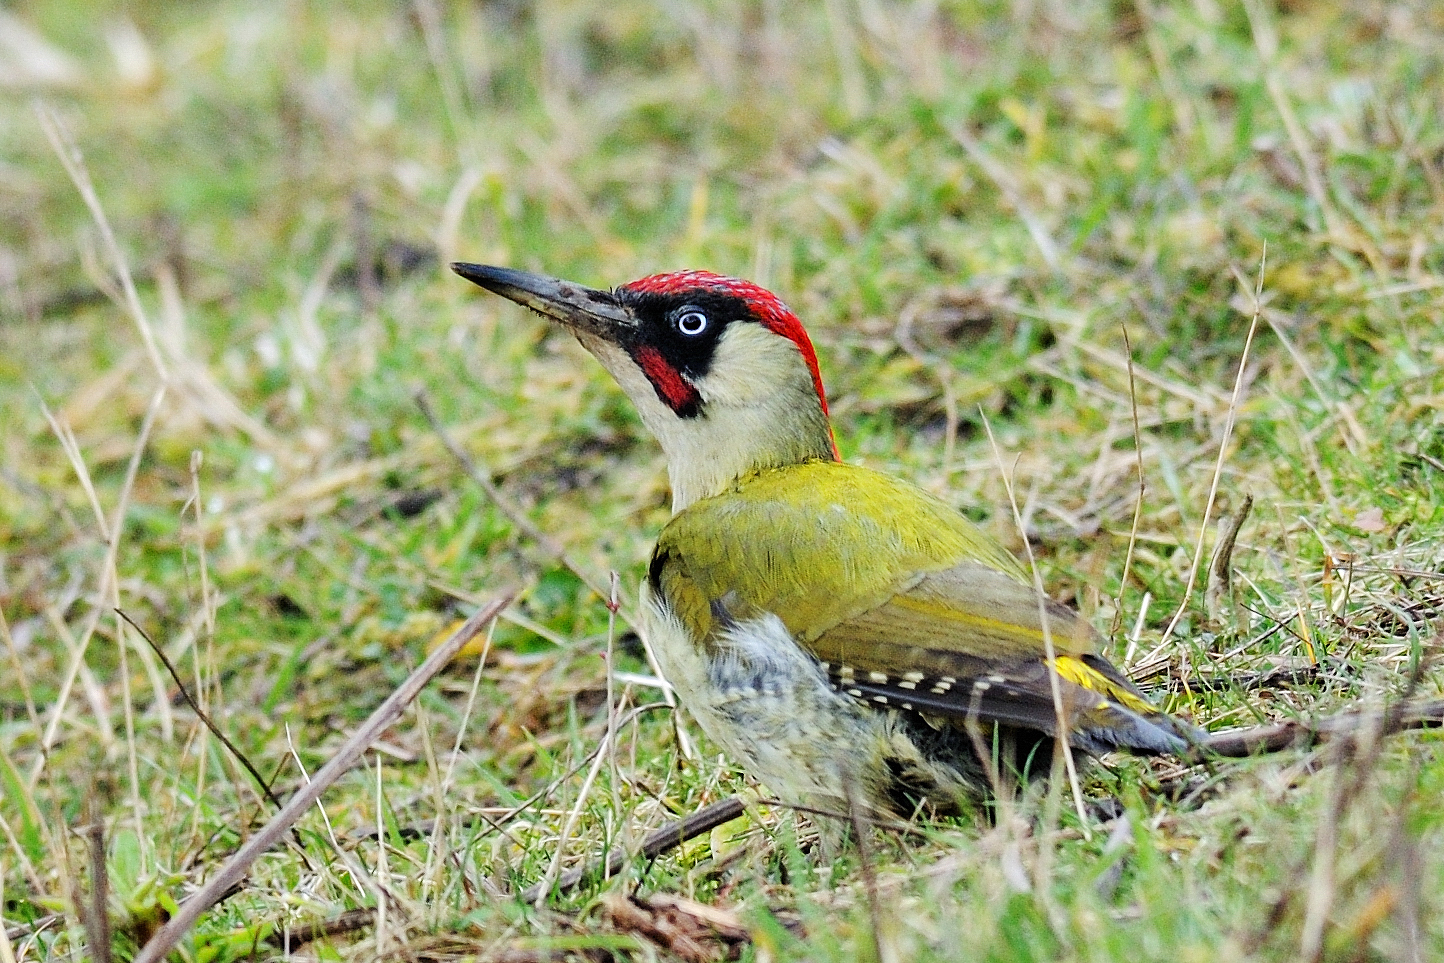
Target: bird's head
(720,370)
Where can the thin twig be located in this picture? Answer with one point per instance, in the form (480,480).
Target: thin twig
(200,714)
(1220,572)
(208,605)
(382,870)
(1243,681)
(208,615)
(97,914)
(238,866)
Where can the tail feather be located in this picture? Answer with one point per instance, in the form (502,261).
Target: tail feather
(1117,727)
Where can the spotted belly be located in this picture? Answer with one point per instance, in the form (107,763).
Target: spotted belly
(772,708)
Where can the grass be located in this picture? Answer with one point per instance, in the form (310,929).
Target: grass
(968,203)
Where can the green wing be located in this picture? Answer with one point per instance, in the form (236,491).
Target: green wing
(822,542)
(904,601)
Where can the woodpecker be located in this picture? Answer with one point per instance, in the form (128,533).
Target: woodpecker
(842,634)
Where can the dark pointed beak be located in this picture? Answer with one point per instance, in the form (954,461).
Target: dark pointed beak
(580,308)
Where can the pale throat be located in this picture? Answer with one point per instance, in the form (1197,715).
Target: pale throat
(706,454)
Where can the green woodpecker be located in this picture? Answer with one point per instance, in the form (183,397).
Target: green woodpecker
(832,628)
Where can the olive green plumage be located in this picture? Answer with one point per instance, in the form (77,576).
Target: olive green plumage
(904,602)
(804,539)
(844,635)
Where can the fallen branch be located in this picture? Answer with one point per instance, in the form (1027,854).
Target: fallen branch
(350,921)
(237,867)
(654,844)
(1286,735)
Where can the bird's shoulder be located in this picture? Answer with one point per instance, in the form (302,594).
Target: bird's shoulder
(839,509)
(816,543)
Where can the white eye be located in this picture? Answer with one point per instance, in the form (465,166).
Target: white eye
(692,323)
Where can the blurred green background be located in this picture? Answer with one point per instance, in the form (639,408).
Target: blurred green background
(967,203)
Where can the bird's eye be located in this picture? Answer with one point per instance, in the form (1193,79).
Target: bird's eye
(691,323)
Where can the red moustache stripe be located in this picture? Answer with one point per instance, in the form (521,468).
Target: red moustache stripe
(674,390)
